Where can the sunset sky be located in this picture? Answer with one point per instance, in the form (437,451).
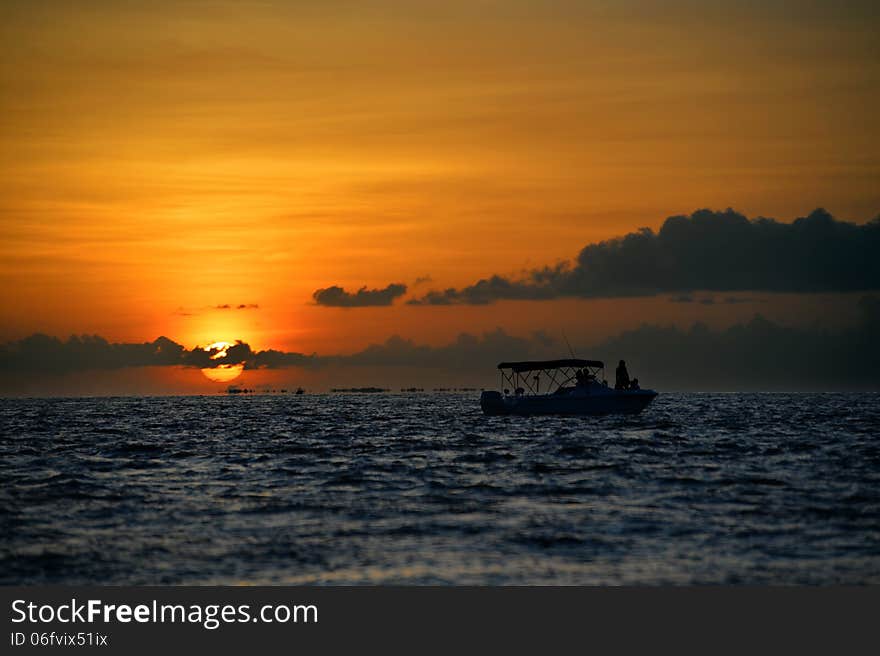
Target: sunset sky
(200,169)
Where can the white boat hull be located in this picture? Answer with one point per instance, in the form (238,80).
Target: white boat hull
(576,401)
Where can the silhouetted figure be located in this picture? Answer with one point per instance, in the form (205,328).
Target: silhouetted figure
(622,381)
(634,385)
(579,376)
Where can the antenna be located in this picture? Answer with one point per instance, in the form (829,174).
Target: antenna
(568,345)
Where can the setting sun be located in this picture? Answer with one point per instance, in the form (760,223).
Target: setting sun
(464,293)
(222,373)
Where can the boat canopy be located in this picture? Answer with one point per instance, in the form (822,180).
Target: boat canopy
(540,365)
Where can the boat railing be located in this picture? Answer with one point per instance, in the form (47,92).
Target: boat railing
(527,376)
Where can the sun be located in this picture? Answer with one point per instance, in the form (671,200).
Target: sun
(225,372)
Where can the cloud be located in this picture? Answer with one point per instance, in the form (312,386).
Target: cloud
(241,353)
(337,297)
(468,352)
(758,354)
(753,355)
(489,290)
(43,353)
(711,300)
(191,312)
(689,298)
(710,251)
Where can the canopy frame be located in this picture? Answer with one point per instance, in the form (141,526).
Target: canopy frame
(558,372)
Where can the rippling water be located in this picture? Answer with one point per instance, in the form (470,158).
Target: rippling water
(417,489)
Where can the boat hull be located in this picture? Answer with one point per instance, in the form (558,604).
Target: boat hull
(612,402)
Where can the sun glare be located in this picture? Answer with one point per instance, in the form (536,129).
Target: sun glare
(220,347)
(225,372)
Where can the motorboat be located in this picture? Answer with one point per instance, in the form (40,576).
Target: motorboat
(561,387)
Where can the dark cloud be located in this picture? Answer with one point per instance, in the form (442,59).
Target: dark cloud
(711,300)
(689,298)
(337,297)
(240,306)
(241,353)
(758,354)
(41,353)
(488,291)
(711,251)
(468,352)
(754,355)
(189,312)
(50,354)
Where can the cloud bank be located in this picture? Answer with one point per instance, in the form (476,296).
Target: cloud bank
(758,354)
(336,296)
(711,300)
(44,354)
(710,251)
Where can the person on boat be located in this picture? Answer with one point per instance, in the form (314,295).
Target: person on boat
(622,381)
(634,385)
(579,375)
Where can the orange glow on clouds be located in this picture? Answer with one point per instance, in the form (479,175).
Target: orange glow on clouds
(223,373)
(179,160)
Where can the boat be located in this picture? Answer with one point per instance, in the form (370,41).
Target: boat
(554,387)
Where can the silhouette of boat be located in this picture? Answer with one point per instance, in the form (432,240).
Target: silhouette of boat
(565,393)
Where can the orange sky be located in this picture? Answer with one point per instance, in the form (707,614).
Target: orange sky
(163,158)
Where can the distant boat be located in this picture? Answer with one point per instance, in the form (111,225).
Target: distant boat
(567,393)
(300,390)
(359,390)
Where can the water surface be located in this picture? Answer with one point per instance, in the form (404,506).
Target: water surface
(421,488)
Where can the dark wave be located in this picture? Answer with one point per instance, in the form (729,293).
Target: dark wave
(425,489)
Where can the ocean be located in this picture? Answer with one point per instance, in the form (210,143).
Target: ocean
(424,489)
